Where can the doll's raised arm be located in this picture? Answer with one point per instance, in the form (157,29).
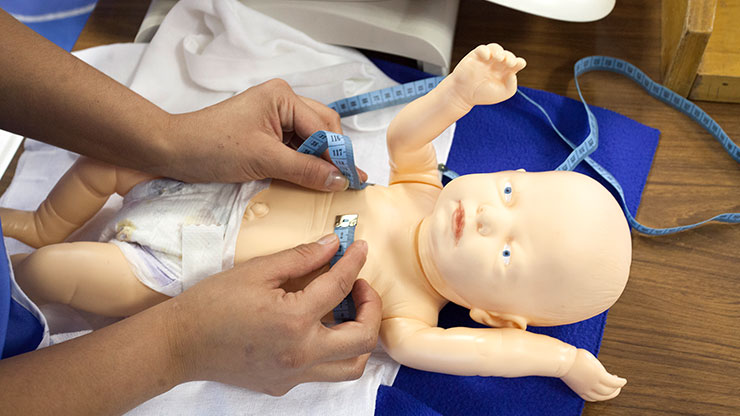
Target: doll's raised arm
(487,75)
(503,352)
(76,198)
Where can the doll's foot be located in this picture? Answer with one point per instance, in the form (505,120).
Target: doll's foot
(486,75)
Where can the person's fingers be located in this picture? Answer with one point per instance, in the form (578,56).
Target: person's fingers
(363,175)
(327,291)
(329,116)
(340,370)
(334,124)
(297,261)
(282,162)
(352,338)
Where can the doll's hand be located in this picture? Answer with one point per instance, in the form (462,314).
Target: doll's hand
(590,380)
(239,327)
(253,136)
(487,75)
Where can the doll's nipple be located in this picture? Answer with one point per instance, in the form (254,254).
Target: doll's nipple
(256,210)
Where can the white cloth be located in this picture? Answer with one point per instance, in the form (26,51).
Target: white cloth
(204,52)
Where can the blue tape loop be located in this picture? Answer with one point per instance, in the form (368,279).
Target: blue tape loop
(590,143)
(340,152)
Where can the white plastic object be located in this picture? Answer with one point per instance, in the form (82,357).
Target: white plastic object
(566,10)
(419,29)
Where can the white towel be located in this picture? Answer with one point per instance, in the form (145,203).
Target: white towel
(203,53)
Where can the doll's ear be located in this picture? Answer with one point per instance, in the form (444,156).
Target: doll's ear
(498,320)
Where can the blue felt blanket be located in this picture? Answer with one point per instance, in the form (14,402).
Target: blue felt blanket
(513,135)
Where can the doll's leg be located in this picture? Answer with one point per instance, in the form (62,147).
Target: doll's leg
(94,277)
(76,198)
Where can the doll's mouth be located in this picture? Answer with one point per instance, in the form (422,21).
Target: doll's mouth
(458,221)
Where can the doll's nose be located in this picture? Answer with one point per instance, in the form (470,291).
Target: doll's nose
(485,220)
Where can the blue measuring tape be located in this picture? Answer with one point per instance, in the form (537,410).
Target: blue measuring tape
(581,152)
(341,153)
(387,97)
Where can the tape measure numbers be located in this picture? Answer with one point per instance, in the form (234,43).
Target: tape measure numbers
(344,228)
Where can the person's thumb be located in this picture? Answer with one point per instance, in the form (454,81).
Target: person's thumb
(297,261)
(305,170)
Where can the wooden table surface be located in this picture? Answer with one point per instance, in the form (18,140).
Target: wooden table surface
(675,332)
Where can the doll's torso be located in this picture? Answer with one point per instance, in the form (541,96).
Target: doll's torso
(285,215)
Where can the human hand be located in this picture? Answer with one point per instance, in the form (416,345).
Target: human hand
(253,136)
(590,380)
(239,327)
(486,75)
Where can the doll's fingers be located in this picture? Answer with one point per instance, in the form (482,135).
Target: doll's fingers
(597,397)
(340,370)
(603,389)
(612,395)
(497,52)
(520,63)
(509,59)
(615,381)
(483,52)
(328,290)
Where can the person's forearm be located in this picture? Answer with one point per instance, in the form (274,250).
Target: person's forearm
(50,95)
(106,372)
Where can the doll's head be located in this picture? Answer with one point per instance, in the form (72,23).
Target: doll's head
(519,248)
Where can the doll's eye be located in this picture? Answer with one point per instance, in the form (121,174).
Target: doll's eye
(506,254)
(507,191)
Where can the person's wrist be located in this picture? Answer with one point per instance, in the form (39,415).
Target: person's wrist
(180,352)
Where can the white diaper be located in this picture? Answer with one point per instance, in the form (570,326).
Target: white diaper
(149,227)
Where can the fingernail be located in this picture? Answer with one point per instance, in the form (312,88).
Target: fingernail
(336,182)
(327,239)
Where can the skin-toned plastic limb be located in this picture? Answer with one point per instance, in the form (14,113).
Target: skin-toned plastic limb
(503,352)
(486,75)
(90,276)
(76,198)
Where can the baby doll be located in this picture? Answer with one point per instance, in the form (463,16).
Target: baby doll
(516,248)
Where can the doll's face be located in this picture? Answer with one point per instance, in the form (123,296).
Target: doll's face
(518,242)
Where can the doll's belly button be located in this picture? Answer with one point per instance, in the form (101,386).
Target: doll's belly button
(256,210)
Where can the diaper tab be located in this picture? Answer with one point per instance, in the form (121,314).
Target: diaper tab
(202,252)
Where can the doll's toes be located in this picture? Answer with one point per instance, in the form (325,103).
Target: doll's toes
(483,52)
